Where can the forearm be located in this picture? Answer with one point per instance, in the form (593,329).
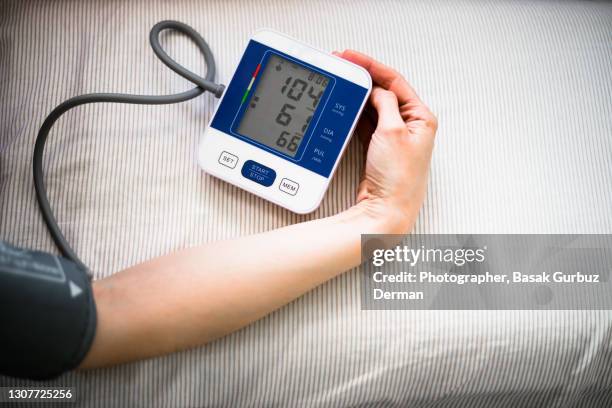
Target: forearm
(193,296)
(198,294)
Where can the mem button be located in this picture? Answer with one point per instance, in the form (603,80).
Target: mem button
(289,186)
(228,160)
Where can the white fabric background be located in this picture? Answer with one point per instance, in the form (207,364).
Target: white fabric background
(523,95)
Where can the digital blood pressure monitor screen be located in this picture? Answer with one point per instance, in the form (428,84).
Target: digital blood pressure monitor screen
(283,104)
(294,108)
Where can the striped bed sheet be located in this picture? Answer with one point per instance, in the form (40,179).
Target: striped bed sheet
(522,91)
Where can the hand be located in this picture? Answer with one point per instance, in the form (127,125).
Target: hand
(398,135)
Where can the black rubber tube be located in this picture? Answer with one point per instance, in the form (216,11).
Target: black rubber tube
(203,84)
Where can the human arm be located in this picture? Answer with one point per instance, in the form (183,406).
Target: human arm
(195,295)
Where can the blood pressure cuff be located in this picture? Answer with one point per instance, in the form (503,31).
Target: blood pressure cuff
(47,314)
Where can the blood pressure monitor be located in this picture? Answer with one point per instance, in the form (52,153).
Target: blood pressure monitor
(284,121)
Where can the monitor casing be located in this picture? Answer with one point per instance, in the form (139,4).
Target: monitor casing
(296,183)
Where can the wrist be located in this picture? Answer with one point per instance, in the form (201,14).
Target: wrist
(377,216)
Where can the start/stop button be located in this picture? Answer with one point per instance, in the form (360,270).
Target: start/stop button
(258,173)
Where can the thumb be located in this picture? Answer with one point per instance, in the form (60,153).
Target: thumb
(385,103)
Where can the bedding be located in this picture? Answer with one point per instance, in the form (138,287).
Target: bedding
(522,92)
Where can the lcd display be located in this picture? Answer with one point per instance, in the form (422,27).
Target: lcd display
(282,105)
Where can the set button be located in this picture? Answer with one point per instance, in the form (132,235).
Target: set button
(228,160)
(289,186)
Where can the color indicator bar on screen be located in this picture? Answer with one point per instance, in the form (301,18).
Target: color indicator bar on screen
(246,93)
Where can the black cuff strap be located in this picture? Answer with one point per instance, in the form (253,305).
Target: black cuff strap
(47,314)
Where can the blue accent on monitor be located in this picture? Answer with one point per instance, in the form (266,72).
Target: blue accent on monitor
(328,129)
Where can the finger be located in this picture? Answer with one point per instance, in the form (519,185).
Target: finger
(383,75)
(385,103)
